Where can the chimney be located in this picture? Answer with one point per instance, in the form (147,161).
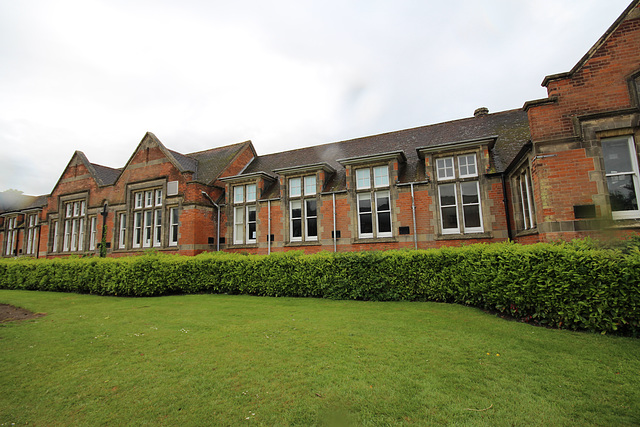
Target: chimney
(482,111)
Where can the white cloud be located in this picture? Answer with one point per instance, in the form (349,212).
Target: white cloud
(95,75)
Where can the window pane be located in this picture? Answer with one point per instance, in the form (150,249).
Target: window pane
(384,222)
(447,194)
(382,202)
(469,192)
(366,224)
(158,197)
(445,168)
(296,209)
(251,223)
(251,193)
(449,217)
(471,216)
(363,179)
(295,187)
(312,227)
(312,220)
(364,203)
(238,194)
(310,185)
(622,193)
(381,176)
(616,156)
(467,165)
(311,207)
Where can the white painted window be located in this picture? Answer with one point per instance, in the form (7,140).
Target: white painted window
(173,227)
(303,215)
(122,234)
(244,214)
(157,228)
(11,235)
(445,168)
(373,205)
(92,238)
(459,201)
(525,209)
(310,185)
(32,235)
(74,226)
(363,179)
(467,166)
(622,175)
(295,187)
(54,247)
(137,229)
(147,219)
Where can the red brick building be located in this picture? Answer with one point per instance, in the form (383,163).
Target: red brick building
(562,167)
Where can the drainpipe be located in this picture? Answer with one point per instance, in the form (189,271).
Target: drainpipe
(335,245)
(103,240)
(413,214)
(39,235)
(505,201)
(217,222)
(268,227)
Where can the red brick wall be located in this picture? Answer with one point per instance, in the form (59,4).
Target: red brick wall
(600,85)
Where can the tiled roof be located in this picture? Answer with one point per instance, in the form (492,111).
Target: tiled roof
(105,175)
(185,163)
(19,202)
(510,127)
(211,163)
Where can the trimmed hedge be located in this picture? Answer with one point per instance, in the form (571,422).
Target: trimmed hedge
(576,285)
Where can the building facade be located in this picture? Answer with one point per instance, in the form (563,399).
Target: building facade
(562,167)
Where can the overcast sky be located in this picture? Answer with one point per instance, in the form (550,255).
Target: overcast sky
(94,75)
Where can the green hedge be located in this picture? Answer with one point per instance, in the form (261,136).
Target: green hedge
(575,285)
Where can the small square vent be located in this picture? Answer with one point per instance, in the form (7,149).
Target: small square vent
(172,188)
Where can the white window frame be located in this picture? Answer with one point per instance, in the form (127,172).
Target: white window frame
(122,233)
(445,170)
(54,247)
(635,177)
(174,223)
(252,238)
(303,190)
(245,202)
(147,219)
(456,171)
(479,229)
(380,176)
(32,236)
(93,230)
(157,228)
(74,226)
(11,233)
(523,184)
(455,230)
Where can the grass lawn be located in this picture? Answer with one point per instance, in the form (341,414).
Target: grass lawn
(229,360)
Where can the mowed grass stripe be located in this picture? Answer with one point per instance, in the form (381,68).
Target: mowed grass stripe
(227,360)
